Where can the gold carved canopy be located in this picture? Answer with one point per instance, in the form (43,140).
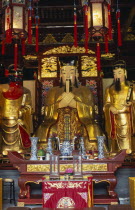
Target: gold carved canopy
(49,61)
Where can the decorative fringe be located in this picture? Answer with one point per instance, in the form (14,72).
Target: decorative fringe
(23,46)
(98,57)
(86,28)
(3,47)
(37,32)
(106,43)
(29,27)
(6,72)
(118,28)
(15,56)
(109,22)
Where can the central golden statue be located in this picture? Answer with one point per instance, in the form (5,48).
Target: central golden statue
(69,111)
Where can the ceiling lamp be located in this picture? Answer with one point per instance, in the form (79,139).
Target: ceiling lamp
(15,19)
(98,18)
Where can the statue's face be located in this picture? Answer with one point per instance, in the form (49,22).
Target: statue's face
(119,73)
(68,72)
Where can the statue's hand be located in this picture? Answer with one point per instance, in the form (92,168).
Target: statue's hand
(72,103)
(66,99)
(113,110)
(128,103)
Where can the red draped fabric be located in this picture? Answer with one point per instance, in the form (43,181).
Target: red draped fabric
(66,194)
(24,137)
(112,125)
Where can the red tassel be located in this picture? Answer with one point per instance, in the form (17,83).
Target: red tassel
(29,27)
(119,28)
(109,22)
(3,47)
(23,46)
(98,57)
(106,43)
(75,27)
(15,56)
(36,38)
(6,72)
(86,28)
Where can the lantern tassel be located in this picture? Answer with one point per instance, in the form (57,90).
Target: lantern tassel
(119,28)
(75,27)
(109,22)
(106,43)
(3,47)
(36,38)
(98,57)
(86,28)
(23,47)
(15,56)
(37,32)
(29,27)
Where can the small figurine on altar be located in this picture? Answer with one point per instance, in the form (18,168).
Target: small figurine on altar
(15,114)
(119,109)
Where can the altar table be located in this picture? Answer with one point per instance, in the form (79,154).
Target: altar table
(32,171)
(67,194)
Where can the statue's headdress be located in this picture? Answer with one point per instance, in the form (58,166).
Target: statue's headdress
(68,61)
(119,64)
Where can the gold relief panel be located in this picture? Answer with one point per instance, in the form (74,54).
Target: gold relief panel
(38,168)
(89,66)
(94,167)
(63,167)
(67,50)
(49,67)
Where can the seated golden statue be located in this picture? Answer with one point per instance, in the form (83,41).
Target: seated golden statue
(119,111)
(15,115)
(69,110)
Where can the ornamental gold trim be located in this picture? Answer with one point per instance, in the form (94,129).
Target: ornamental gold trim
(64,167)
(94,167)
(38,168)
(67,50)
(63,185)
(30,57)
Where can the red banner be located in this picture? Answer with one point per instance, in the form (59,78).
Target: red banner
(67,194)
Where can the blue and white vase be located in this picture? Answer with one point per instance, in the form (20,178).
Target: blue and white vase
(34,141)
(100,147)
(66,149)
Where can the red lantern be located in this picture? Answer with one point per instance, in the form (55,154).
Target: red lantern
(15,18)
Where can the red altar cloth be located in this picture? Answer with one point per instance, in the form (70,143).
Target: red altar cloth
(67,194)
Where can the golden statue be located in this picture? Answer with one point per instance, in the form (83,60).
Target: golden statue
(119,111)
(69,110)
(15,115)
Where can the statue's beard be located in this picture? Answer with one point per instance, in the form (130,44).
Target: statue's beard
(117,84)
(71,85)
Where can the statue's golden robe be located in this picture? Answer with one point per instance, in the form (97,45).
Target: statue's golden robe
(81,121)
(120,127)
(15,122)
